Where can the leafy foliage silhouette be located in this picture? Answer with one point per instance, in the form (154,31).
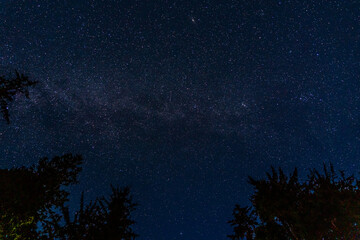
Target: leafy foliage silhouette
(32,205)
(324,206)
(9,87)
(32,195)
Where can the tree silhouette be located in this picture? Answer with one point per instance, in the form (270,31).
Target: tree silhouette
(107,219)
(9,87)
(32,195)
(32,200)
(324,206)
(32,205)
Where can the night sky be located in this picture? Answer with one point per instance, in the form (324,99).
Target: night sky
(182,100)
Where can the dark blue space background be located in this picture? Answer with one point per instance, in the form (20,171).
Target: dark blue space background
(182,100)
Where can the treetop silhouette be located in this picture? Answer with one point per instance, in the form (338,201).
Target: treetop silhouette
(324,206)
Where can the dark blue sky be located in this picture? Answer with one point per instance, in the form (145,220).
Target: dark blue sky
(181,100)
